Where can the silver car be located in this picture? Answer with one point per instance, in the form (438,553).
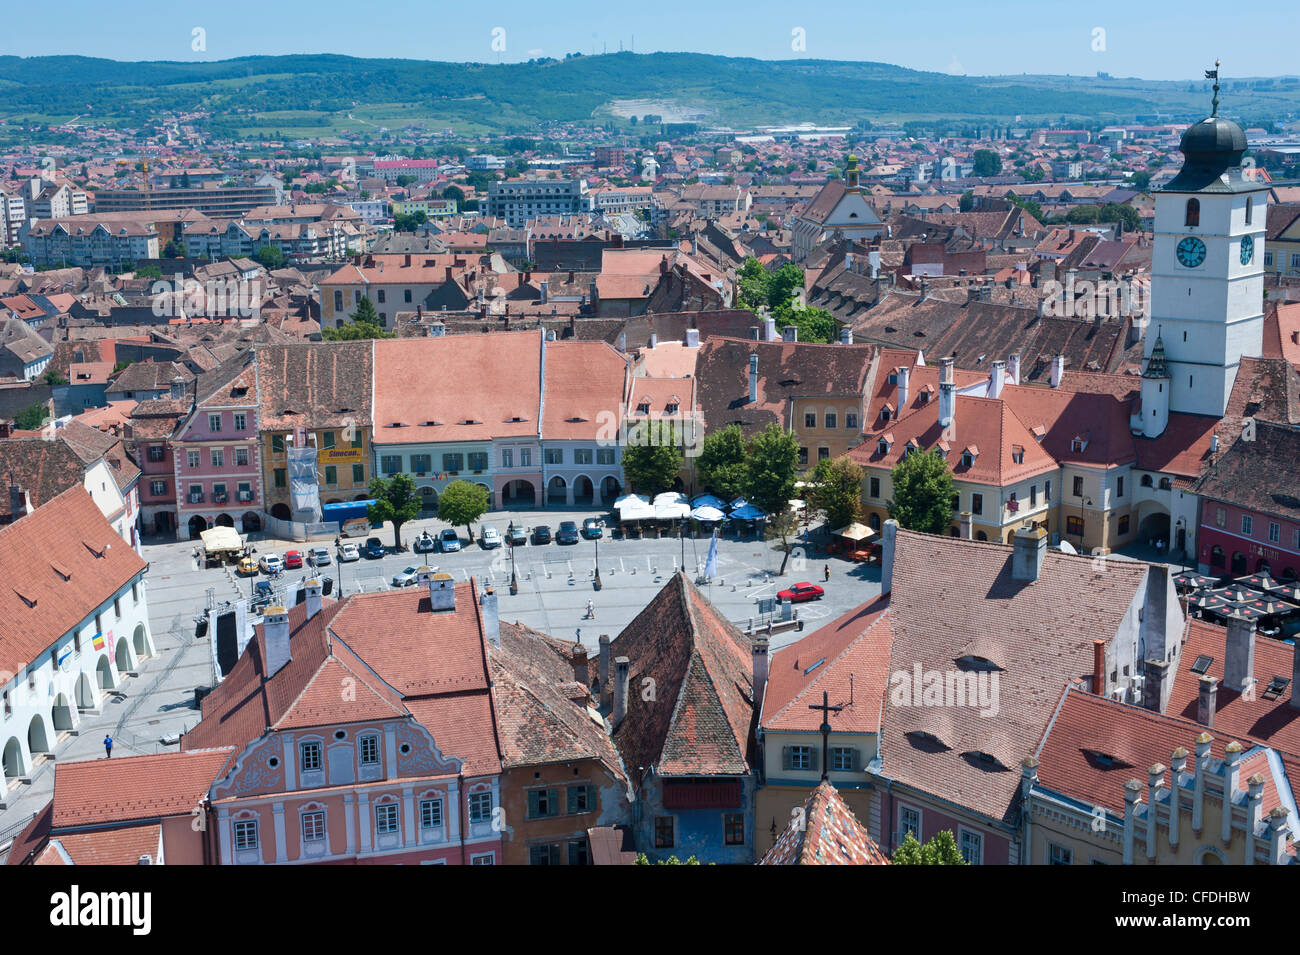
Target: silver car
(348,553)
(319,557)
(489,537)
(405,578)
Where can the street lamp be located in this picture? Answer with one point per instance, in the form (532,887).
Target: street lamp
(514,580)
(595,583)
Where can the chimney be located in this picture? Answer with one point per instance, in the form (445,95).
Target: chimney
(846,336)
(442,591)
(1295,677)
(769,329)
(790,333)
(967,524)
(947,393)
(1239,659)
(1206,700)
(904,373)
(997,378)
(753,379)
(888,542)
(603,665)
(1029,547)
(17,502)
(1155,680)
(848,261)
(760,670)
(692,337)
(581,672)
(492,618)
(622,341)
(313,599)
(275,640)
(178,388)
(654,340)
(1013,368)
(622,673)
(545,286)
(1058,370)
(1099,667)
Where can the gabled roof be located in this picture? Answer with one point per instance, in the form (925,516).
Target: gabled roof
(848,658)
(827,833)
(1258,474)
(100,791)
(700,718)
(582,380)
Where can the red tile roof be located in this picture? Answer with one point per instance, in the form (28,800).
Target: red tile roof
(122,846)
(584,383)
(97,791)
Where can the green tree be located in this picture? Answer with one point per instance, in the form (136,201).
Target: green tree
(409,223)
(939,849)
(651,459)
(923,493)
(149,272)
(721,466)
(987,163)
(835,489)
(752,281)
(463,502)
(30,418)
(355,331)
(55,377)
(270,257)
(773,458)
(1140,180)
(396,500)
(173,250)
(967,201)
(814,324)
(642,859)
(780,290)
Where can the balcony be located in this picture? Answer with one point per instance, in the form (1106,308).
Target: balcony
(195,497)
(220,497)
(244,496)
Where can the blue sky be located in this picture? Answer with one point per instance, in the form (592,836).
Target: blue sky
(1164,40)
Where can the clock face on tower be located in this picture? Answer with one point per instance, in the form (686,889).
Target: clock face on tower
(1191,252)
(1247,249)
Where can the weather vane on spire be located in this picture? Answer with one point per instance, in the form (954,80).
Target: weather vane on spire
(1214,75)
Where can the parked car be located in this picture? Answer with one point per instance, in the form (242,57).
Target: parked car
(426,543)
(247,566)
(318,557)
(374,548)
(349,553)
(449,540)
(515,536)
(293,560)
(405,578)
(593,528)
(567,534)
(801,592)
(271,563)
(541,534)
(489,537)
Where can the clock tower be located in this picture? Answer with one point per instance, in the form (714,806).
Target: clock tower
(1207,276)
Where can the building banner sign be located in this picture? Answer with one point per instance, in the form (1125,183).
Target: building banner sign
(341,456)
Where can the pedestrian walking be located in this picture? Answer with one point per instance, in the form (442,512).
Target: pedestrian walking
(827,571)
(108,746)
(591,610)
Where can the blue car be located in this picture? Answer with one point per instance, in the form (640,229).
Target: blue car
(374,548)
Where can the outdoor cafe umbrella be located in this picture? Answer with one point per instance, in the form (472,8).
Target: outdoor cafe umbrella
(1269,607)
(704,512)
(1235,594)
(1210,602)
(747,513)
(855,532)
(1287,591)
(709,500)
(634,508)
(1191,580)
(671,506)
(1245,610)
(1261,581)
(737,503)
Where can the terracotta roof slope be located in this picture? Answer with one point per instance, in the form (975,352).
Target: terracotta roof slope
(827,833)
(134,787)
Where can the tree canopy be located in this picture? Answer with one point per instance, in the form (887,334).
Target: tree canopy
(396,500)
(939,849)
(462,503)
(835,488)
(651,461)
(270,257)
(923,493)
(721,466)
(773,457)
(987,163)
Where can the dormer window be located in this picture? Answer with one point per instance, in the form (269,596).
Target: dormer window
(1017,454)
(923,398)
(882,447)
(672,407)
(967,459)
(886,414)
(643,408)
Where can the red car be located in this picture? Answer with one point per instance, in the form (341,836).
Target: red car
(293,560)
(801,591)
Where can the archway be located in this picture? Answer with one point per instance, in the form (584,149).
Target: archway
(281,512)
(362,497)
(1153,523)
(85,693)
(38,740)
(61,714)
(225,520)
(13,760)
(584,492)
(1238,563)
(122,655)
(1217,557)
(162,522)
(519,493)
(139,642)
(610,489)
(252,522)
(197,526)
(556,491)
(104,673)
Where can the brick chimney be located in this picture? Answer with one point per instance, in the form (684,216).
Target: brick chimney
(442,588)
(967,524)
(491,617)
(997,378)
(1239,659)
(692,337)
(769,329)
(1029,548)
(790,333)
(19,503)
(1058,370)
(846,336)
(1099,667)
(904,374)
(581,672)
(622,675)
(603,665)
(753,379)
(313,597)
(275,640)
(1013,368)
(1206,700)
(1295,677)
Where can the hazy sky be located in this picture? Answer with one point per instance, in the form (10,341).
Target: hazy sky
(1160,40)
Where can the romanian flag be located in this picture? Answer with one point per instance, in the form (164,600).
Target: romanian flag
(98,642)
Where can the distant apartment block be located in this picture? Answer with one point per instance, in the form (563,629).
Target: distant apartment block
(519,201)
(211,199)
(89,241)
(430,207)
(422,170)
(485,163)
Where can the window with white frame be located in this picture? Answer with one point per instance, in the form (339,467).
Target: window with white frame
(1275,532)
(909,820)
(486,858)
(309,757)
(214,423)
(843,758)
(313,826)
(1059,855)
(430,813)
(218,457)
(1247,525)
(369,749)
(801,757)
(480,807)
(972,847)
(246,834)
(192,459)
(386,818)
